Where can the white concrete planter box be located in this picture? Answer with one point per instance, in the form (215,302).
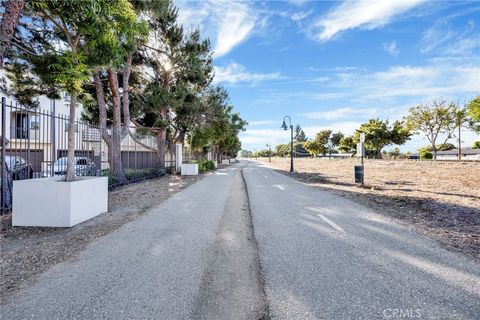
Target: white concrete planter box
(225,161)
(189,169)
(50,202)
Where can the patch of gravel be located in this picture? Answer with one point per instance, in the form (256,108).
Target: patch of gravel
(27,252)
(441,199)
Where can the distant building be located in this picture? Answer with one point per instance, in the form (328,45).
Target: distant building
(336,156)
(39,134)
(467,154)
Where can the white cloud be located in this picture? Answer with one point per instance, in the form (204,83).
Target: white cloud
(391,48)
(236,25)
(318,79)
(465,46)
(429,81)
(278,96)
(297,2)
(336,69)
(365,14)
(235,73)
(260,122)
(261,137)
(448,80)
(346,127)
(258,138)
(229,23)
(327,95)
(301,15)
(442,39)
(341,113)
(434,37)
(192,16)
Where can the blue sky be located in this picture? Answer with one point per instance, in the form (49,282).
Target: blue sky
(335,64)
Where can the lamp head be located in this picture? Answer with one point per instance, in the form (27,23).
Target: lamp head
(284,125)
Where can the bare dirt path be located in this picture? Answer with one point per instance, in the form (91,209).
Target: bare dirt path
(232,288)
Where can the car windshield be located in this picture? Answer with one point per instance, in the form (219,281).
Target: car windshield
(10,161)
(61,162)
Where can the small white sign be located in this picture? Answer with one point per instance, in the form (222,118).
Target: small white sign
(362,137)
(360,149)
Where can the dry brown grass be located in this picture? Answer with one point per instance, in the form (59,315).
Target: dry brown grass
(441,198)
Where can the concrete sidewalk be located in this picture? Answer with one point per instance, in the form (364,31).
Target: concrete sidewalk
(151,268)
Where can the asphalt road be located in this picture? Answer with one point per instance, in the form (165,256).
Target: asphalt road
(213,251)
(324,257)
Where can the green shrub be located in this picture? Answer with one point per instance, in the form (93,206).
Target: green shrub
(425,155)
(204,165)
(210,165)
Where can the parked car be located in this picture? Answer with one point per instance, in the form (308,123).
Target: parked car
(83,166)
(19,168)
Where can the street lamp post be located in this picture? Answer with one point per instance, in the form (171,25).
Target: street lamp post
(285,127)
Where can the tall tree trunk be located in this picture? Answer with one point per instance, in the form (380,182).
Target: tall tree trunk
(161,143)
(162,133)
(116,156)
(11,16)
(102,106)
(71,139)
(125,96)
(181,136)
(214,153)
(103,114)
(434,151)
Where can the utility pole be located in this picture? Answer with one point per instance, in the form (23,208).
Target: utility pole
(459,141)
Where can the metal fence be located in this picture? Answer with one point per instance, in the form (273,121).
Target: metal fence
(34,145)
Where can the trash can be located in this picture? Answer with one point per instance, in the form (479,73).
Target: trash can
(359,174)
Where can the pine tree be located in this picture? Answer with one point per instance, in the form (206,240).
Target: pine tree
(299,134)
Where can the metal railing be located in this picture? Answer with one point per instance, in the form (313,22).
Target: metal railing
(34,145)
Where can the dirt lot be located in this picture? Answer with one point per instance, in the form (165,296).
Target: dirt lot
(442,199)
(27,252)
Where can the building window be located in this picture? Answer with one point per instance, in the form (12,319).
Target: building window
(20,125)
(35,122)
(66,96)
